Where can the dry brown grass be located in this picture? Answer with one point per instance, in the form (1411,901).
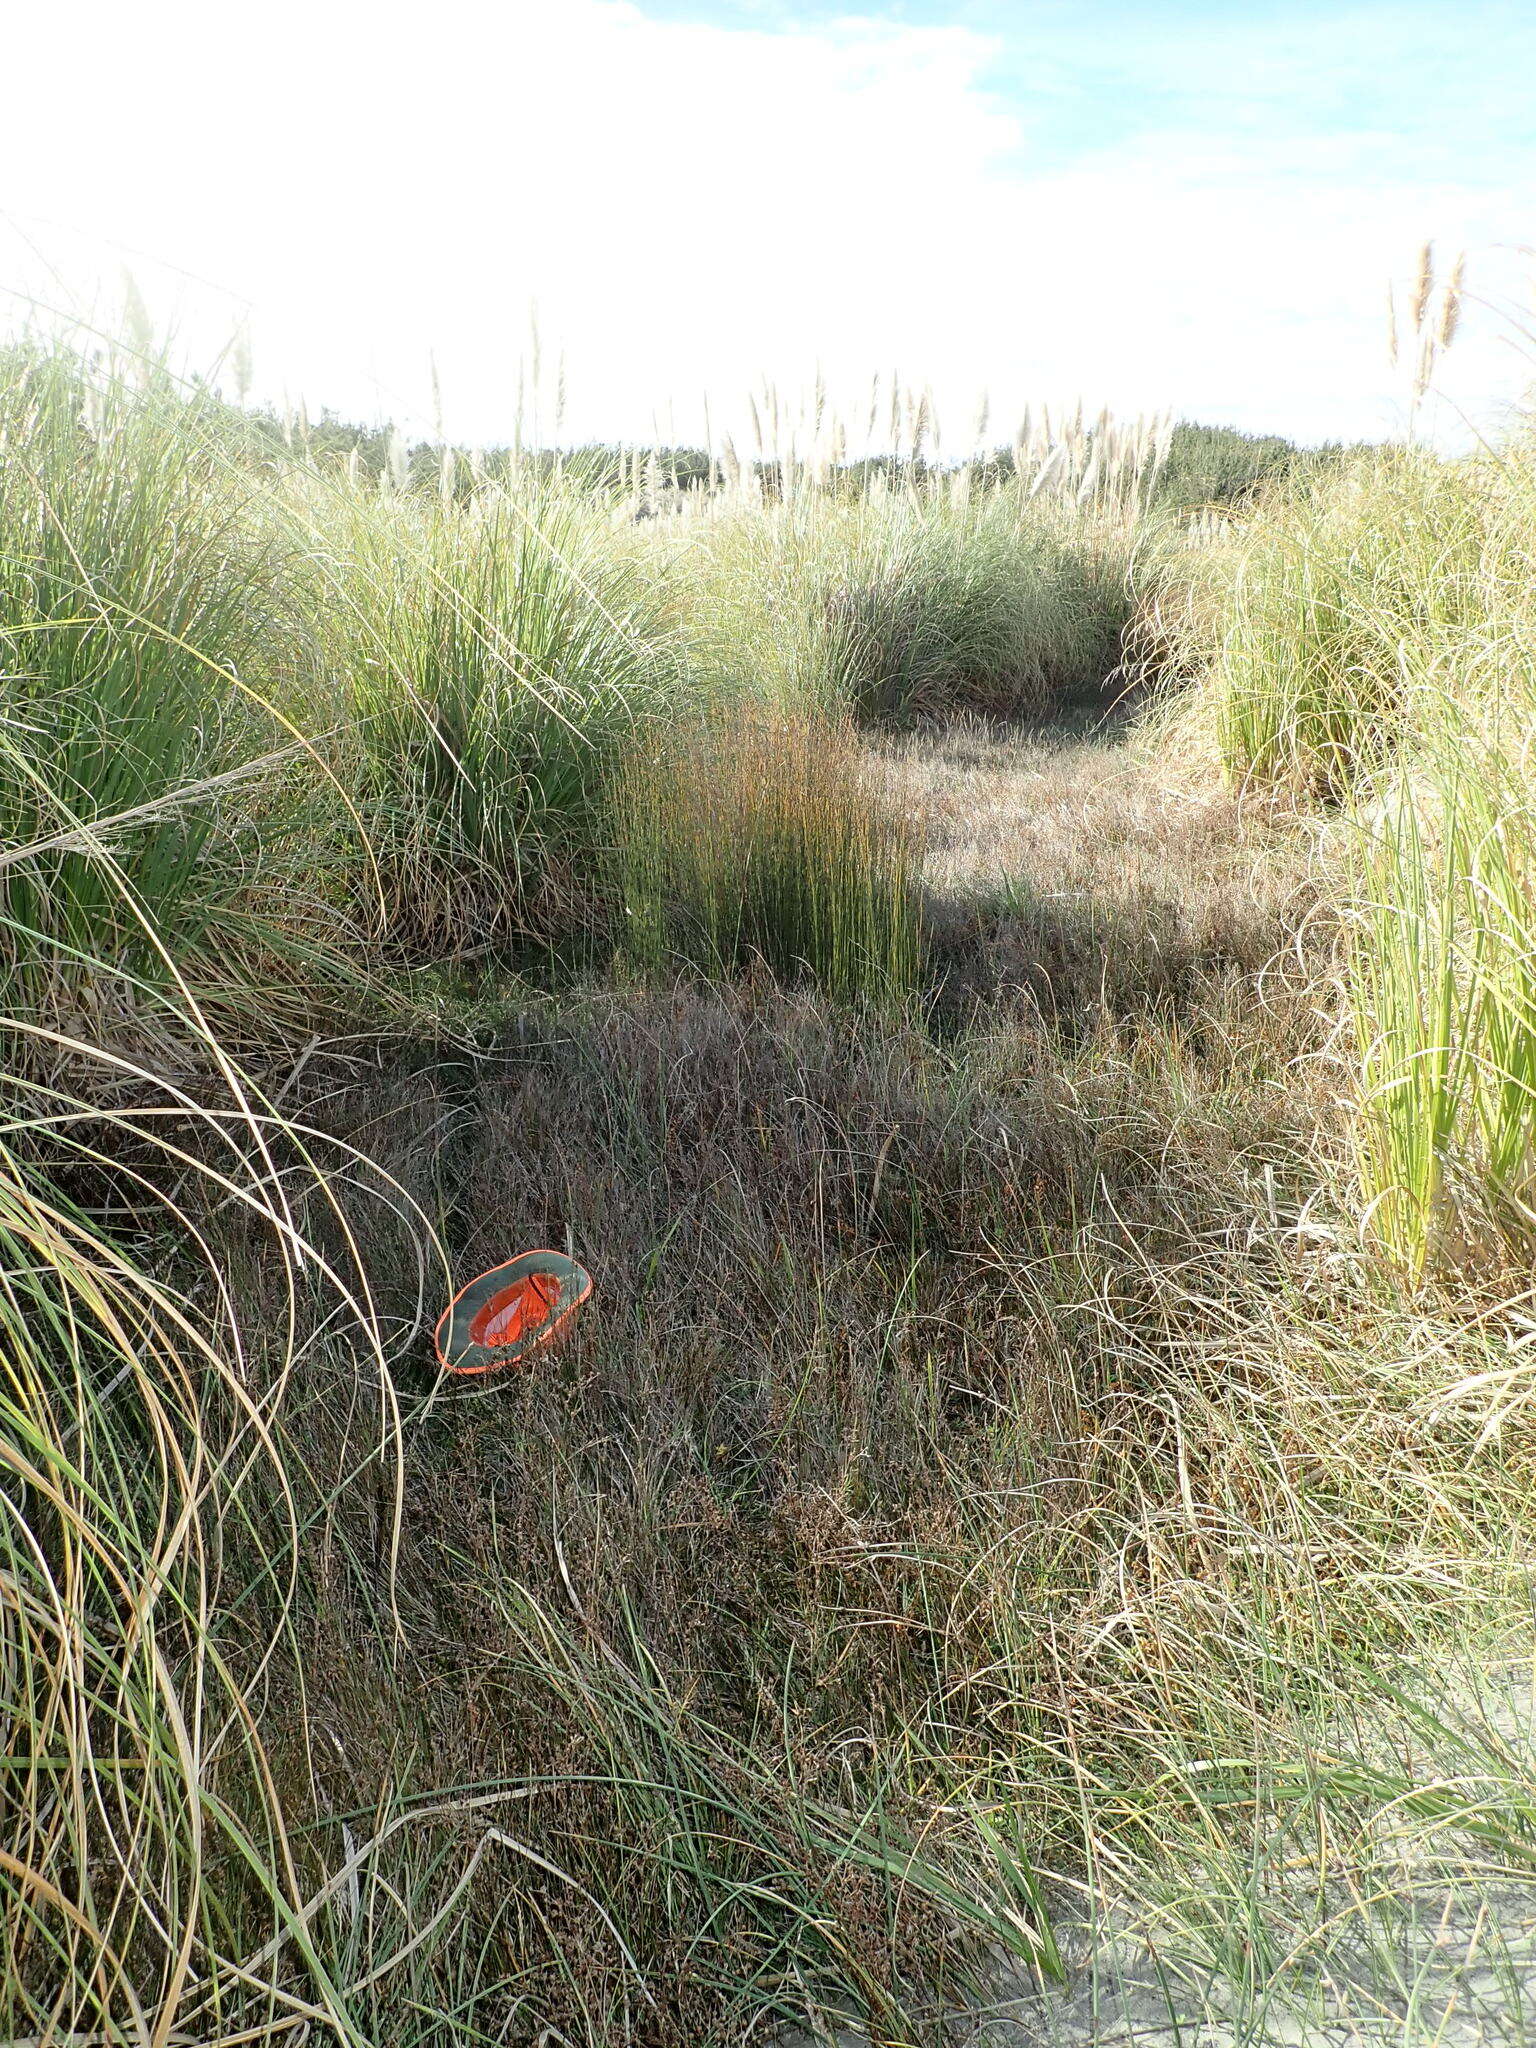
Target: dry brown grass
(959,1434)
(1097,879)
(886,1407)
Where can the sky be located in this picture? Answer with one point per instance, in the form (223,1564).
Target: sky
(1145,204)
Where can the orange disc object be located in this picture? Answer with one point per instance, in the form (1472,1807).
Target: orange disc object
(499,1319)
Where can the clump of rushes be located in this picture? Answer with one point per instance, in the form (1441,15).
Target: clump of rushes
(757,839)
(493,657)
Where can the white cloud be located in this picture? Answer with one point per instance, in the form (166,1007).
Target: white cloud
(694,207)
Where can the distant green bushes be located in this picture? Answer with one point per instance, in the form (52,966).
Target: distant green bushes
(1221,466)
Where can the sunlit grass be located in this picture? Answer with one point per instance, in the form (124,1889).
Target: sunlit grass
(489,663)
(1375,641)
(905,601)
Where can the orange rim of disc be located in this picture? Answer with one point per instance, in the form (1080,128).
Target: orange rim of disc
(468,1359)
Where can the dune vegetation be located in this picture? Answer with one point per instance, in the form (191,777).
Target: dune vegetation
(1016,971)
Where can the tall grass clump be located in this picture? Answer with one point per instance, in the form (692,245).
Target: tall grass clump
(140,623)
(1443,959)
(490,660)
(757,840)
(908,602)
(1336,592)
(1372,639)
(149,1884)
(152,1886)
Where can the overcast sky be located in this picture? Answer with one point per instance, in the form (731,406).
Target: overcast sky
(1172,203)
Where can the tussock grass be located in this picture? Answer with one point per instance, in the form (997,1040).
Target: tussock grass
(137,600)
(1375,643)
(757,839)
(906,602)
(1314,667)
(1443,959)
(489,662)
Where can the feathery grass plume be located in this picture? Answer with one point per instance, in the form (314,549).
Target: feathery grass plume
(980,424)
(397,466)
(138,328)
(1423,287)
(1423,375)
(1052,467)
(439,433)
(1450,306)
(928,416)
(241,362)
(1392,344)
